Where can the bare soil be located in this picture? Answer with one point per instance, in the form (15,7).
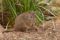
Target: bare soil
(50,31)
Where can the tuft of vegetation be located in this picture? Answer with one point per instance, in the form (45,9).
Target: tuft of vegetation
(20,6)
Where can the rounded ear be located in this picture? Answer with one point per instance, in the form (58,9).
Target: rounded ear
(33,12)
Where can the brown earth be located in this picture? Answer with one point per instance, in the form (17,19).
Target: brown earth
(50,31)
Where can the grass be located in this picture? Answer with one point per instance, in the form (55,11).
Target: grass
(14,8)
(1,9)
(20,6)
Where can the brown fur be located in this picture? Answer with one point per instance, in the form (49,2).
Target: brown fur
(24,21)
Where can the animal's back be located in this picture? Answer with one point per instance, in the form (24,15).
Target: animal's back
(25,21)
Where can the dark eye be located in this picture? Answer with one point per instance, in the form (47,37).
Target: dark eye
(30,16)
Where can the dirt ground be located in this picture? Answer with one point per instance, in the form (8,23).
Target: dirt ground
(49,31)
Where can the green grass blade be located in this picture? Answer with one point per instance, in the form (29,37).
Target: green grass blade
(25,5)
(20,10)
(28,4)
(13,5)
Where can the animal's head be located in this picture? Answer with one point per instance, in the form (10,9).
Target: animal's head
(31,16)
